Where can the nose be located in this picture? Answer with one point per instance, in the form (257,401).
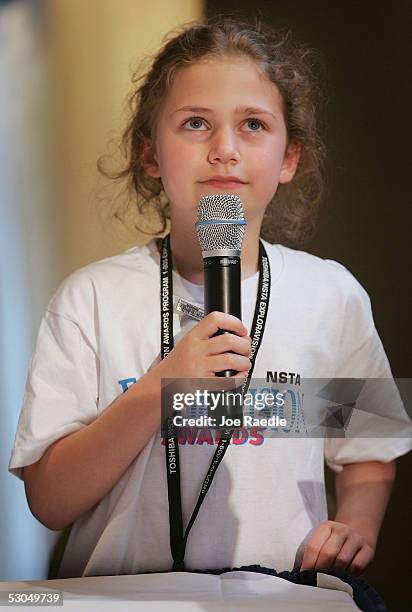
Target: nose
(223,148)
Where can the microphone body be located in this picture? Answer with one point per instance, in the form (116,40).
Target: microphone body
(220,230)
(222,290)
(222,285)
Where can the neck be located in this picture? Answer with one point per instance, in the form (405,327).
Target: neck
(188,260)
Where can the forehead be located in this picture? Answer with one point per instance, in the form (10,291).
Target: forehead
(222,84)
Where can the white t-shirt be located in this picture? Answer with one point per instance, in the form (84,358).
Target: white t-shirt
(101,333)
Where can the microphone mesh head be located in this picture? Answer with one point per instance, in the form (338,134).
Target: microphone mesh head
(221,223)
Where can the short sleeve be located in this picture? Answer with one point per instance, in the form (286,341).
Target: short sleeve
(379,428)
(61,390)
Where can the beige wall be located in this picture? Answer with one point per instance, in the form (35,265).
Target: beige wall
(95,44)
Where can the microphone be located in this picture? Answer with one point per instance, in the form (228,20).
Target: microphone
(220,229)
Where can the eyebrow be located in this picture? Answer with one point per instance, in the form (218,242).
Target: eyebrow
(245,110)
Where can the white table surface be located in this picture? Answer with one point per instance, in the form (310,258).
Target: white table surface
(188,592)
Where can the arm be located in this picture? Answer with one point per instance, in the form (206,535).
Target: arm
(349,542)
(77,471)
(362,493)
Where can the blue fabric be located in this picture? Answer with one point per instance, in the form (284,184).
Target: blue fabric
(365,597)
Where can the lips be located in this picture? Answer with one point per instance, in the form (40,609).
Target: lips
(229,182)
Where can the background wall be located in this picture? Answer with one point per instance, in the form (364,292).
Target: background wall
(366,50)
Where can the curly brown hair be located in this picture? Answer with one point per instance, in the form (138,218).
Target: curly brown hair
(291,215)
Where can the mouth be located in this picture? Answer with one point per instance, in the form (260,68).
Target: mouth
(224,184)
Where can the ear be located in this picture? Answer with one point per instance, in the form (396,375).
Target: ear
(150,163)
(290,161)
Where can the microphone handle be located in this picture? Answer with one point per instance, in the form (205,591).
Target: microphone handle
(222,290)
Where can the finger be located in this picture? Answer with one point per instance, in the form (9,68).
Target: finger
(314,545)
(361,560)
(331,549)
(230,342)
(216,320)
(229,361)
(347,553)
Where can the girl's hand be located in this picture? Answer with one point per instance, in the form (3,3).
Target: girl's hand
(337,546)
(198,355)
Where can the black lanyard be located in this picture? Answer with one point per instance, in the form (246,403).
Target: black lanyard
(178,539)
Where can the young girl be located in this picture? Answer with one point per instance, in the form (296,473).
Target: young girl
(226,108)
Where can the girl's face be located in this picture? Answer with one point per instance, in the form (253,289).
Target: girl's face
(222,118)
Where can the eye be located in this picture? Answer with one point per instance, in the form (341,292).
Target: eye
(194,121)
(252,120)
